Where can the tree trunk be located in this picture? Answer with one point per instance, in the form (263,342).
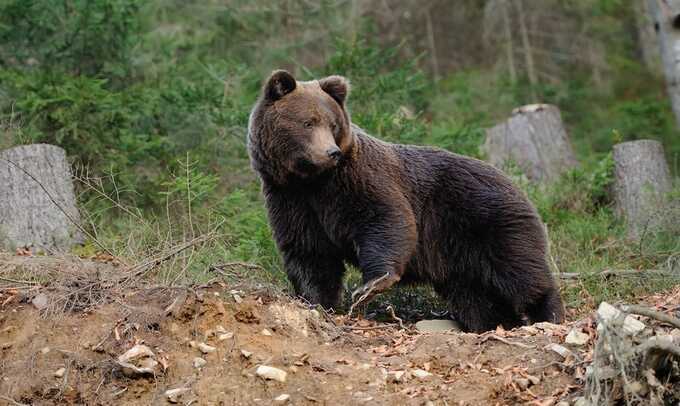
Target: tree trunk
(431,43)
(535,139)
(37,202)
(667,19)
(526,44)
(509,45)
(641,186)
(648,41)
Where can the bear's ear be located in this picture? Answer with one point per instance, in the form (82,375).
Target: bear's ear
(279,84)
(337,87)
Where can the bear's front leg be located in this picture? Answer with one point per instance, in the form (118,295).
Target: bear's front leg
(315,278)
(383,251)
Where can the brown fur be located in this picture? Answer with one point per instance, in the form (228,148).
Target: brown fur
(399,213)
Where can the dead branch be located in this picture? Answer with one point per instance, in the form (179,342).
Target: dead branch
(655,343)
(2,278)
(12,401)
(394,316)
(149,264)
(503,340)
(647,312)
(236,264)
(617,272)
(378,327)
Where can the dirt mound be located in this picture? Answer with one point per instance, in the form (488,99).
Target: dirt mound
(223,344)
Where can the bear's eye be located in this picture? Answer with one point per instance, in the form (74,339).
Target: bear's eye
(308,124)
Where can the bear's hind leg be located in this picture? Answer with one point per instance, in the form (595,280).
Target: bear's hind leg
(479,312)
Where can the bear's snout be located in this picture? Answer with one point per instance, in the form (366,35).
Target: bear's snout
(334,153)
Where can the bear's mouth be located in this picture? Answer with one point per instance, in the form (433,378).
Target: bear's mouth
(305,167)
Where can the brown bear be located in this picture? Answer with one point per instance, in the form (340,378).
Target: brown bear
(399,213)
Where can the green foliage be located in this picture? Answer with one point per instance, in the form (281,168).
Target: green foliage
(191,184)
(385,99)
(78,36)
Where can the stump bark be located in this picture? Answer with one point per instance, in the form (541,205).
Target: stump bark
(534,138)
(642,184)
(37,200)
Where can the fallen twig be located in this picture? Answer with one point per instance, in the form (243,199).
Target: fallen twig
(149,264)
(647,312)
(12,401)
(394,316)
(2,278)
(236,264)
(617,272)
(378,327)
(661,345)
(503,340)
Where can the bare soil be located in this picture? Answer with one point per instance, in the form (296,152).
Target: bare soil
(329,359)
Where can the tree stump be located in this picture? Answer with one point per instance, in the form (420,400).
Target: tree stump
(37,202)
(535,139)
(641,186)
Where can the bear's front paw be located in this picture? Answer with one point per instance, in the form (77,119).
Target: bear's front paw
(363,294)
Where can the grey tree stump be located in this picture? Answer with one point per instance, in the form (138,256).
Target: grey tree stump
(641,186)
(37,201)
(535,139)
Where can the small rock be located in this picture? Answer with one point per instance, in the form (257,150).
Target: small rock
(421,374)
(225,336)
(199,362)
(675,333)
(581,401)
(534,380)
(634,387)
(608,313)
(397,376)
(138,360)
(192,344)
(221,329)
(282,398)
(523,383)
(45,350)
(562,351)
(173,395)
(59,373)
(272,373)
(40,301)
(6,346)
(246,354)
(237,298)
(266,332)
(205,348)
(437,326)
(577,337)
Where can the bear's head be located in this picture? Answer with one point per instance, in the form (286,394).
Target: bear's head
(299,130)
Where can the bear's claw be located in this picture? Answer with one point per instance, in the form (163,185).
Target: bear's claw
(367,291)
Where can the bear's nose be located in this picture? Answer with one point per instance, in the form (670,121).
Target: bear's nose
(334,153)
